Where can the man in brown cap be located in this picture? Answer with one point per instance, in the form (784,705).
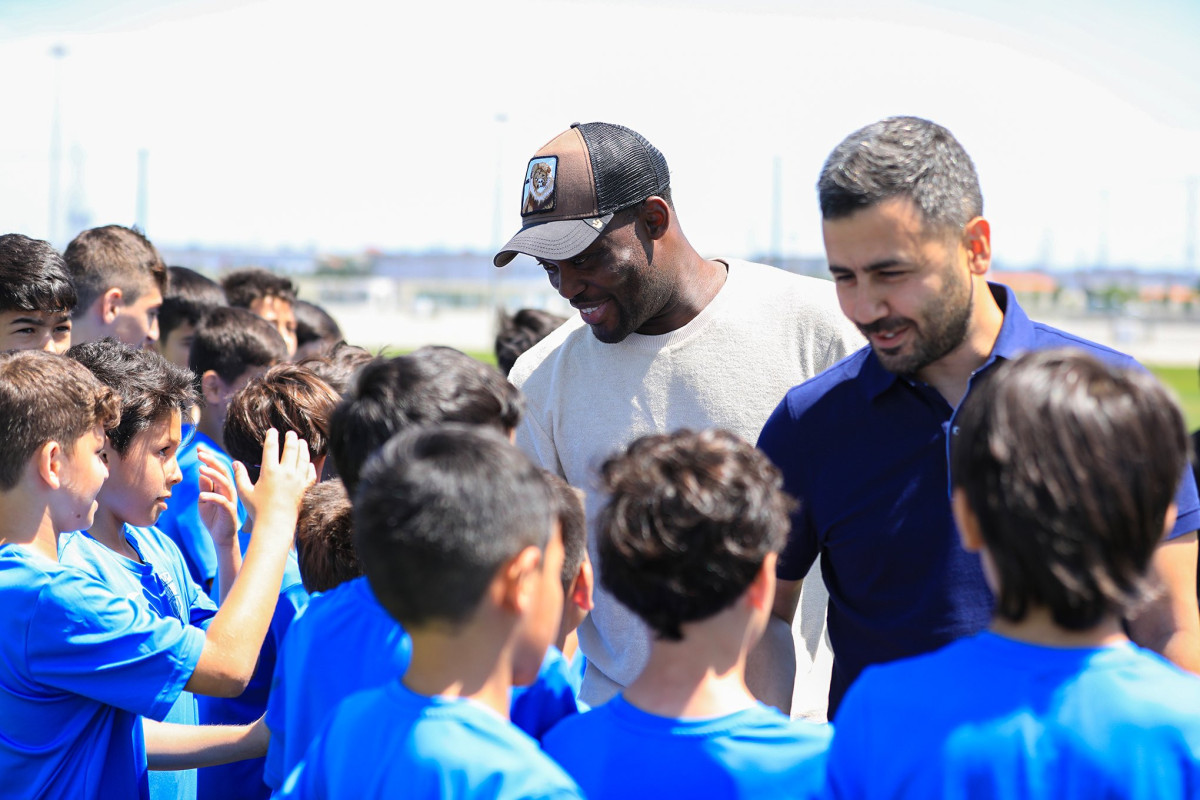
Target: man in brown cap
(665,339)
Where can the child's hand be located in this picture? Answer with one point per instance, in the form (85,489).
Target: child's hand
(218,501)
(282,478)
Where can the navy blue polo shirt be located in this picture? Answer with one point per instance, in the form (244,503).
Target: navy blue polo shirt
(865,453)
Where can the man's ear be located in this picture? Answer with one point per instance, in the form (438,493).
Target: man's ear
(969,532)
(655,215)
(515,584)
(111,303)
(977,240)
(580,591)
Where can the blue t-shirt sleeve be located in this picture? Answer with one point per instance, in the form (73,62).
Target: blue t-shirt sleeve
(1187,505)
(85,640)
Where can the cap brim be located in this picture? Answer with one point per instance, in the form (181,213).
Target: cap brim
(555,241)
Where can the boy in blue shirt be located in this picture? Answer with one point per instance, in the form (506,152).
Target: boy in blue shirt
(188,298)
(688,541)
(122,549)
(1064,471)
(553,696)
(286,397)
(345,641)
(78,663)
(36,296)
(230,347)
(458,541)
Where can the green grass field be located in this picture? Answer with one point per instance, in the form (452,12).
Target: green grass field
(1185,382)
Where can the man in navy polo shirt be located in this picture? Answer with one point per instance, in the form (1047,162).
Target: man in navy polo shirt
(863,446)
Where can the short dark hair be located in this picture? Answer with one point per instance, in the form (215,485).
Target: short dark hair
(230,341)
(287,397)
(426,387)
(568,509)
(338,365)
(902,157)
(689,521)
(441,509)
(148,385)
(189,295)
(113,256)
(45,398)
(33,276)
(1070,466)
(324,539)
(244,286)
(314,323)
(521,331)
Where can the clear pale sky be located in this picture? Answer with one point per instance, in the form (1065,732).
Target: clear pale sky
(365,124)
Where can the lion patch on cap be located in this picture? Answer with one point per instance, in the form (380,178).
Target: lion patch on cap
(539,186)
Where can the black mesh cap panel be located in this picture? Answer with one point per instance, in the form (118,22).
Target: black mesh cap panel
(627,168)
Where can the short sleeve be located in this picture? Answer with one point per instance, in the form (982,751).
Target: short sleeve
(85,640)
(777,441)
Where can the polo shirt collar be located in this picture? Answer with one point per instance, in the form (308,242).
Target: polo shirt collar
(1016,336)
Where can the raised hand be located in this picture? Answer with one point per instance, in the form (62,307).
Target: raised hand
(218,499)
(282,478)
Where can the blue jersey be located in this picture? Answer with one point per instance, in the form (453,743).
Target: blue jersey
(619,751)
(161,582)
(391,742)
(181,521)
(341,643)
(550,699)
(244,779)
(78,664)
(991,717)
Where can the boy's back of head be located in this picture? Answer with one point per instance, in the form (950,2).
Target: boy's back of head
(316,330)
(427,387)
(44,398)
(189,296)
(230,341)
(37,296)
(338,365)
(439,511)
(114,257)
(522,331)
(1069,467)
(148,385)
(287,397)
(690,519)
(324,538)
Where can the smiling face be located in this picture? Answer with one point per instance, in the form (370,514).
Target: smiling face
(909,291)
(35,330)
(141,480)
(615,287)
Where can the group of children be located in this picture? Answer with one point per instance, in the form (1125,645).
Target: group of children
(239,560)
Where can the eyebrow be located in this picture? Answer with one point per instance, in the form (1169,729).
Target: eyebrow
(874,267)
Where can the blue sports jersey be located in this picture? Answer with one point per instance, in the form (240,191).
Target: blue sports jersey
(341,643)
(391,742)
(78,664)
(244,779)
(181,521)
(160,581)
(550,699)
(991,717)
(620,751)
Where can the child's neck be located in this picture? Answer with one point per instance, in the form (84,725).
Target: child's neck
(1038,627)
(212,427)
(25,522)
(109,531)
(703,676)
(461,663)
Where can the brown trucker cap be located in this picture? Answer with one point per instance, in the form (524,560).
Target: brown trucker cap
(575,184)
